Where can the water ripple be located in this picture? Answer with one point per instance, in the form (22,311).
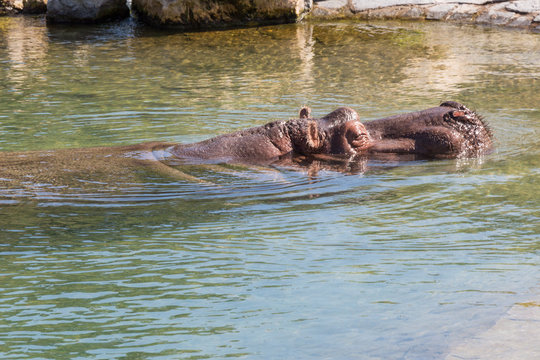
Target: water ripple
(401,260)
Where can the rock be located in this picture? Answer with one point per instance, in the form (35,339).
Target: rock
(15,4)
(85,11)
(439,12)
(414,12)
(11,6)
(393,12)
(34,6)
(206,14)
(464,12)
(524,6)
(521,22)
(519,13)
(360,5)
(323,12)
(496,15)
(332,4)
(23,6)
(3,8)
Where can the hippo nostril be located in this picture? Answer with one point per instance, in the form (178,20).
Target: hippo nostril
(361,142)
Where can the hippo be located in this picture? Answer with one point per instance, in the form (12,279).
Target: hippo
(449,130)
(337,141)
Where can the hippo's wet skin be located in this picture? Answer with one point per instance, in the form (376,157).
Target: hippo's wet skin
(337,141)
(338,133)
(450,130)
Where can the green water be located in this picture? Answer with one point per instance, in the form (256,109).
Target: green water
(401,261)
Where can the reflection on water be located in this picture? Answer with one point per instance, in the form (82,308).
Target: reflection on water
(26,48)
(451,66)
(116,260)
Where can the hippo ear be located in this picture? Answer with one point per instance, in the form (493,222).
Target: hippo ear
(305,136)
(305,113)
(312,137)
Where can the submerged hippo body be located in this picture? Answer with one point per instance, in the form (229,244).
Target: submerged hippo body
(450,130)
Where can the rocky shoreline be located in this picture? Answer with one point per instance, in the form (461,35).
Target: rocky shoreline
(523,14)
(15,7)
(210,14)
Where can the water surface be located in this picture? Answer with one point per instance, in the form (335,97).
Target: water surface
(398,261)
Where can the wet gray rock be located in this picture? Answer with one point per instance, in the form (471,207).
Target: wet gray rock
(207,14)
(520,22)
(392,12)
(521,14)
(332,4)
(414,12)
(439,12)
(360,5)
(496,15)
(464,12)
(524,6)
(324,12)
(85,11)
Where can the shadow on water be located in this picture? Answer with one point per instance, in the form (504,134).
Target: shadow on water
(128,28)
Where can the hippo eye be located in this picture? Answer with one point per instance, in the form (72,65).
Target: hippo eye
(459,115)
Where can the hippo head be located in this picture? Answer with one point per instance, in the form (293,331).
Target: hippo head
(475,133)
(449,130)
(338,133)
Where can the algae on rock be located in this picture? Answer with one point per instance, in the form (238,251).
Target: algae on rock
(205,14)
